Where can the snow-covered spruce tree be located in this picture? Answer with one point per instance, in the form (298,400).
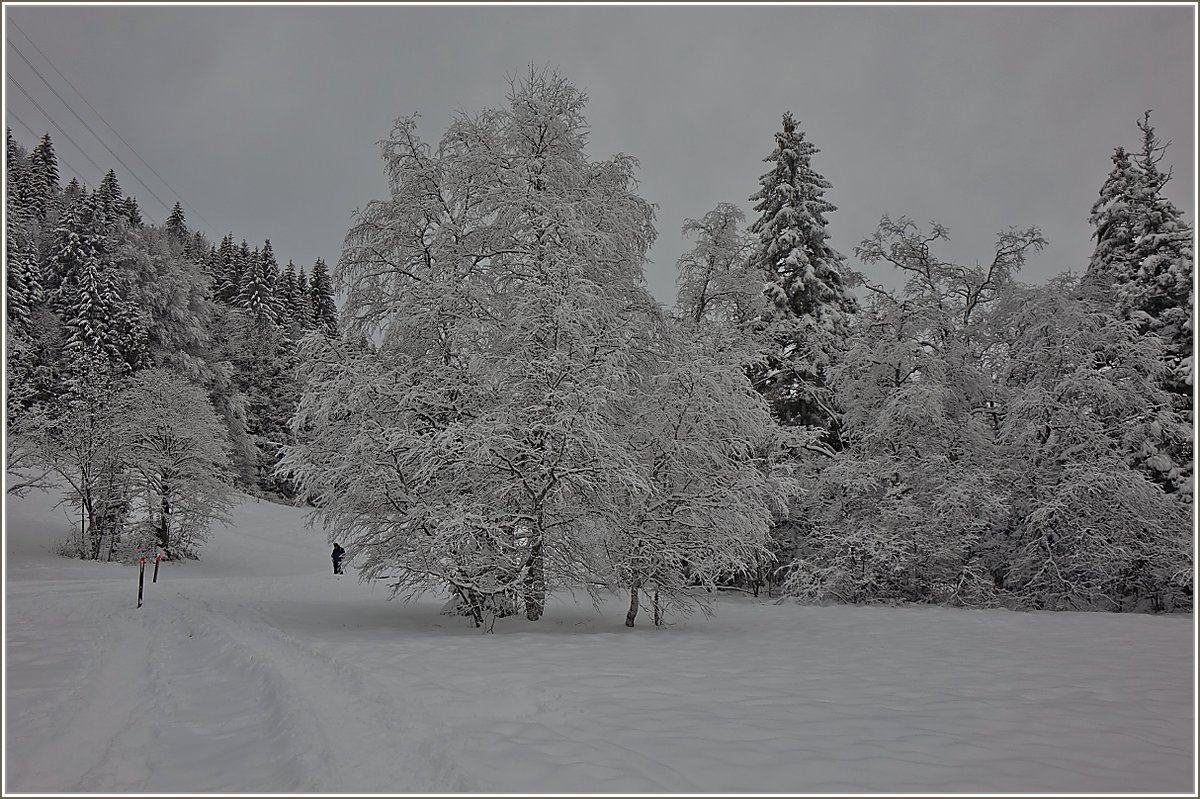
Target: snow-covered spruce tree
(73,192)
(715,282)
(256,295)
(90,296)
(177,225)
(808,284)
(226,271)
(905,511)
(197,248)
(324,310)
(706,445)
(478,448)
(264,360)
(20,189)
(23,280)
(302,310)
(178,461)
(1085,528)
(109,196)
(270,270)
(1159,292)
(1143,264)
(130,210)
(24,296)
(286,291)
(46,190)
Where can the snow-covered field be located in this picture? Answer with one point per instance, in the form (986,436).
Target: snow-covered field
(256,670)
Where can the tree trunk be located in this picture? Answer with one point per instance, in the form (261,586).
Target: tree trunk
(164,523)
(658,617)
(633,605)
(87,522)
(535,579)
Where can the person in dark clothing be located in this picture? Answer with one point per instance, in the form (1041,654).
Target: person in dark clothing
(337,555)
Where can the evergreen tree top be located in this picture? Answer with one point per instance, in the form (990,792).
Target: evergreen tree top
(176,225)
(1153,151)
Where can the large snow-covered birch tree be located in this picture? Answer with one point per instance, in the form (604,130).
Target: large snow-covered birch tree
(476,445)
(521,417)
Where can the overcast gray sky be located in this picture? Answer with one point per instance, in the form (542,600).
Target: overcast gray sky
(265,119)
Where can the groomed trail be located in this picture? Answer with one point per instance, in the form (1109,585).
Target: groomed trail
(255,670)
(198,690)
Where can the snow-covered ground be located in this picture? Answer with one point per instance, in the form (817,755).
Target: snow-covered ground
(256,670)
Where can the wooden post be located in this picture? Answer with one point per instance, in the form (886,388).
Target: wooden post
(141,578)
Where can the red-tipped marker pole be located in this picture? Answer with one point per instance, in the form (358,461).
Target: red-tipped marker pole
(141,577)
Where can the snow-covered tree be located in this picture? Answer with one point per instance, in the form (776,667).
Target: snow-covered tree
(73,192)
(715,281)
(1159,292)
(302,309)
(79,444)
(178,459)
(130,210)
(808,284)
(270,267)
(21,191)
(109,196)
(324,310)
(44,170)
(89,298)
(177,225)
(256,294)
(226,272)
(286,290)
(22,271)
(1143,264)
(994,435)
(1085,528)
(905,510)
(706,447)
(1113,219)
(477,446)
(172,294)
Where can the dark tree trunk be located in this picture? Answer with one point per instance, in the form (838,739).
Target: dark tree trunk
(633,605)
(164,523)
(535,579)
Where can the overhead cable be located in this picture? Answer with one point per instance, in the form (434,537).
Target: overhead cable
(57,127)
(106,124)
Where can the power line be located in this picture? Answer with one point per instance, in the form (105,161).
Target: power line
(36,137)
(55,124)
(87,126)
(106,124)
(28,129)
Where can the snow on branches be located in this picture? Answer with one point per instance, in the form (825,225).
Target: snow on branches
(489,442)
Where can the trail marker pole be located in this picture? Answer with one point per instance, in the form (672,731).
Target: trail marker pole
(141,578)
(157,558)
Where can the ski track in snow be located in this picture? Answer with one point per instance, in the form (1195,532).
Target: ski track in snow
(254,670)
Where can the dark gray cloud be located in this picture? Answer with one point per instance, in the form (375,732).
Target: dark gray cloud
(265,119)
